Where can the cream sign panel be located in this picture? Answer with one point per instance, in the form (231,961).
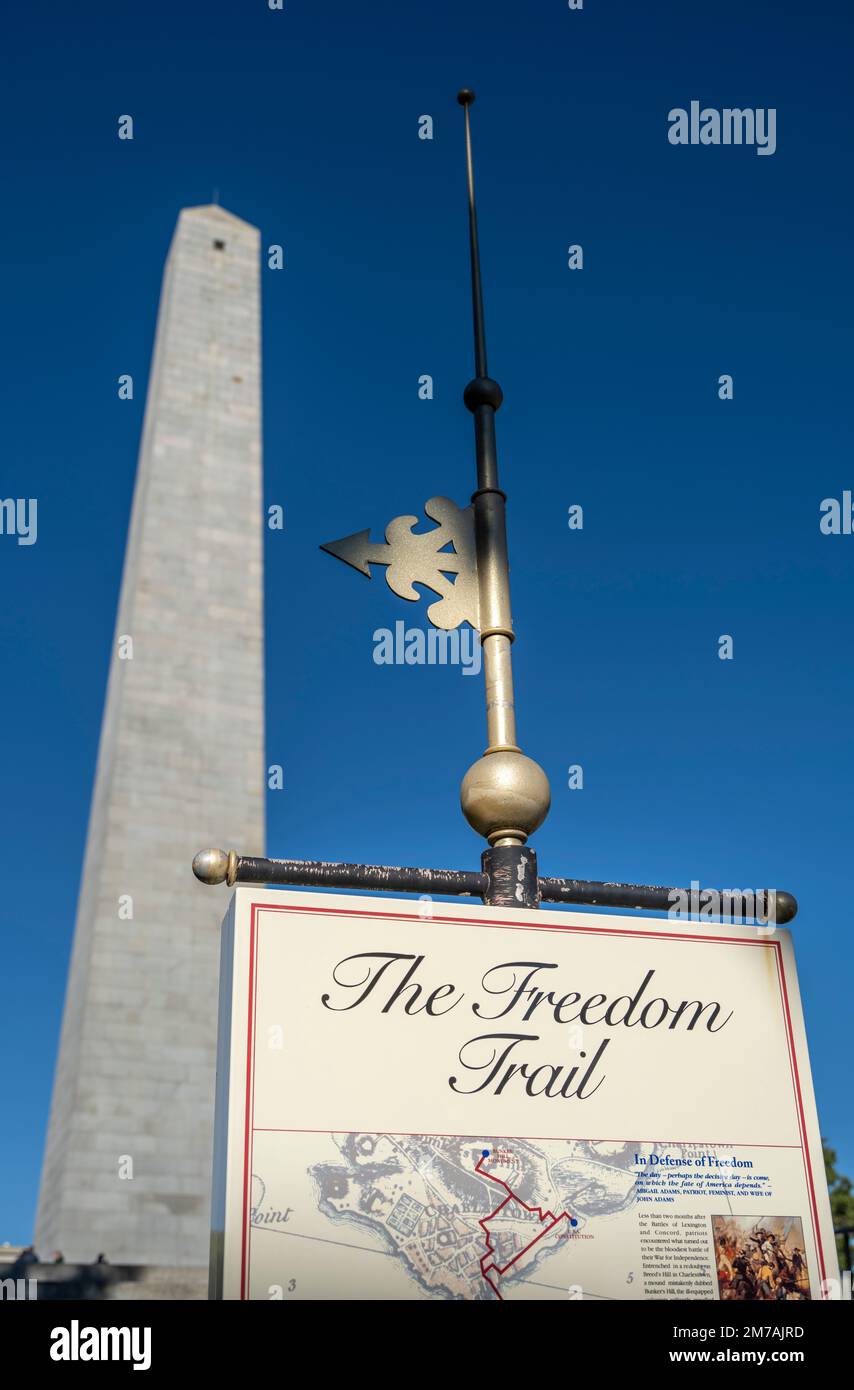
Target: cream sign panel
(489,1104)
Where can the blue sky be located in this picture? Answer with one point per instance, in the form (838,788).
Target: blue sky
(701,517)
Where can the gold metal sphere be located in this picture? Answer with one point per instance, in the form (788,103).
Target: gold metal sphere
(211,866)
(505,796)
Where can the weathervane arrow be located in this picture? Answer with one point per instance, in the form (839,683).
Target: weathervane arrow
(442,559)
(359,551)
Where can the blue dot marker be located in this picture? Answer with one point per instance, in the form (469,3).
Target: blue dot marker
(572,1221)
(485,1153)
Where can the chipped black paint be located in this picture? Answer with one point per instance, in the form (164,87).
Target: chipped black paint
(313,873)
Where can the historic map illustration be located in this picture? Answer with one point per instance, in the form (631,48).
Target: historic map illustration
(465,1218)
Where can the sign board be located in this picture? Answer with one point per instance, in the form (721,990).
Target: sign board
(430,1100)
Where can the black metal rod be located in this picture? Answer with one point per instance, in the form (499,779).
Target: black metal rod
(307,873)
(465,98)
(767,905)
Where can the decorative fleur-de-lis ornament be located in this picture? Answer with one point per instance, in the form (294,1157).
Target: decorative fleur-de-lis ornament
(442,559)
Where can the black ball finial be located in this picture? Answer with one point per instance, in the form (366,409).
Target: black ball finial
(465,97)
(483,391)
(786,907)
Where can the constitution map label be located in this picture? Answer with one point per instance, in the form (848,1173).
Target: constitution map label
(491,1104)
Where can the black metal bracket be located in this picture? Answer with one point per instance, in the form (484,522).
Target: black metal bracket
(508,878)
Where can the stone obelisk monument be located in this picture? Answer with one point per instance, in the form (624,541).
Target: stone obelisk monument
(181,764)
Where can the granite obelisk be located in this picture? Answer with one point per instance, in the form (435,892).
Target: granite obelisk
(181,763)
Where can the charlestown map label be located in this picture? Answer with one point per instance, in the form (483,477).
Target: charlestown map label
(490,1104)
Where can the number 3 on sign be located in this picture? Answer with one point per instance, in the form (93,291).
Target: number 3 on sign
(275,1291)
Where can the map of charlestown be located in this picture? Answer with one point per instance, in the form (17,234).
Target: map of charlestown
(467,1217)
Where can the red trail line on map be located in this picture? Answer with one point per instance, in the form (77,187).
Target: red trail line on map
(490,1248)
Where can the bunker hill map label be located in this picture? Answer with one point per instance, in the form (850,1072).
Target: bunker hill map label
(493,1104)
